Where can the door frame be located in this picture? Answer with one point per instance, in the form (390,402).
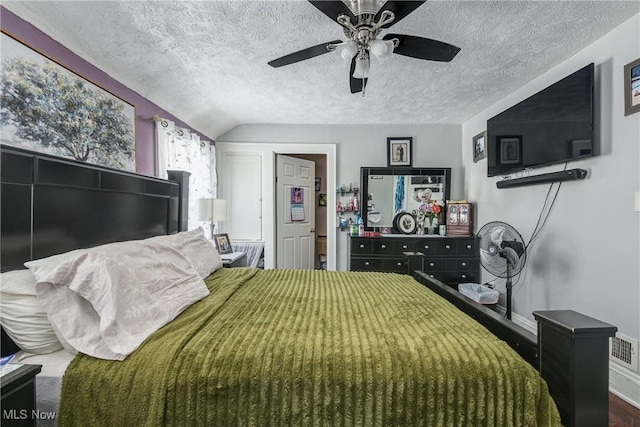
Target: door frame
(268,152)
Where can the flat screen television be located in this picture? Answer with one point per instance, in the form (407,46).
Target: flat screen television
(556,125)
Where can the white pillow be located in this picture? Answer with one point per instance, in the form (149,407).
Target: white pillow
(107,300)
(22,316)
(200,251)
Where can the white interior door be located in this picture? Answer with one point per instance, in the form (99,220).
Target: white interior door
(295,213)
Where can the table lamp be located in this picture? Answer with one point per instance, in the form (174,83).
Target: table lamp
(212,210)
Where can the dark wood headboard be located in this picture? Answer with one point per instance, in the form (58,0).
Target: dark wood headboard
(51,205)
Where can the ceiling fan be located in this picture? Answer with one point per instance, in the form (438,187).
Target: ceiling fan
(362,22)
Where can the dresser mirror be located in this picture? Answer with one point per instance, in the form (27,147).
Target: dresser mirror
(387,191)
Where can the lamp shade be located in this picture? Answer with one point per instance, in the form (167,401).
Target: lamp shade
(212,210)
(361,70)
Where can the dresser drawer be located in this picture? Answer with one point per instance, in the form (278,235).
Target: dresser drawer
(438,275)
(435,264)
(383,247)
(362,246)
(462,264)
(467,246)
(462,276)
(403,245)
(394,265)
(366,264)
(430,246)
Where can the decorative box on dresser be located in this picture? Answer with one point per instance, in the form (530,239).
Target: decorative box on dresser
(451,260)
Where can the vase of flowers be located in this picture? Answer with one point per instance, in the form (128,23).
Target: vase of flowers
(427,215)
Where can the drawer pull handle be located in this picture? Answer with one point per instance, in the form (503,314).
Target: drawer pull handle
(447,247)
(404,246)
(464,264)
(384,246)
(468,246)
(399,264)
(362,246)
(464,276)
(431,264)
(366,263)
(431,275)
(426,246)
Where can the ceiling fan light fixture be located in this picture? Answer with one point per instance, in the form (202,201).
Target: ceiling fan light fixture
(381,48)
(362,68)
(348,50)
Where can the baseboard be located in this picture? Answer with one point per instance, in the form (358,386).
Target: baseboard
(623,382)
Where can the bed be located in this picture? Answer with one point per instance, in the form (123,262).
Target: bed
(275,347)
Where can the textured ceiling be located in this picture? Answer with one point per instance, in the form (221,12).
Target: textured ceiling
(206,61)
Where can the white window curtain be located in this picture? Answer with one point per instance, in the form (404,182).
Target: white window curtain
(180,149)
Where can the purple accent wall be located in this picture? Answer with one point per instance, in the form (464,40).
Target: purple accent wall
(145,109)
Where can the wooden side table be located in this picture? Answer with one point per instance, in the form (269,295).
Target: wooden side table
(19,396)
(574,362)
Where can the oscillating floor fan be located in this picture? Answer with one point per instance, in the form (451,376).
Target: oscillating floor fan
(502,252)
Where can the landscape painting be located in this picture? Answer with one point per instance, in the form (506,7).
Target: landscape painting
(47,108)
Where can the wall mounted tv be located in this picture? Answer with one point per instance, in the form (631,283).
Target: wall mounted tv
(556,125)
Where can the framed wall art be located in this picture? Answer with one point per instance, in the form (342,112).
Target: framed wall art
(479,146)
(50,109)
(510,150)
(399,151)
(632,87)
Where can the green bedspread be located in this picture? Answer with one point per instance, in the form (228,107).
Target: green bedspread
(303,348)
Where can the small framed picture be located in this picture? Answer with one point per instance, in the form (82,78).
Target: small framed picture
(479,147)
(223,245)
(510,147)
(399,151)
(322,199)
(632,87)
(318,182)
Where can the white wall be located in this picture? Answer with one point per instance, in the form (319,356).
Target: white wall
(361,145)
(587,257)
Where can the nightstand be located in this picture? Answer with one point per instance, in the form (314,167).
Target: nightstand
(19,396)
(234,259)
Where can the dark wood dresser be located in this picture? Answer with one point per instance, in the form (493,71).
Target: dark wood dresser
(451,260)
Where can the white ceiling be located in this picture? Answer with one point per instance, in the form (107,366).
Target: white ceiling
(206,61)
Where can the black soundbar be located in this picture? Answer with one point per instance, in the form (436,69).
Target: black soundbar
(545,178)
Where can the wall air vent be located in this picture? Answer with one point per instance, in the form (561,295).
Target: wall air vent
(624,351)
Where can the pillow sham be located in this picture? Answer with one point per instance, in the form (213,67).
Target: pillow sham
(201,252)
(105,301)
(197,248)
(22,316)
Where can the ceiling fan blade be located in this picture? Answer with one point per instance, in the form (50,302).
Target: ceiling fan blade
(333,9)
(355,84)
(303,54)
(400,8)
(422,48)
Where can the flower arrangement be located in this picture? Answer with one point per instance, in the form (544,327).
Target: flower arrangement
(428,209)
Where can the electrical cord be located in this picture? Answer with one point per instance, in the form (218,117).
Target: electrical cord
(539,226)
